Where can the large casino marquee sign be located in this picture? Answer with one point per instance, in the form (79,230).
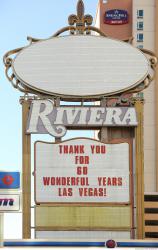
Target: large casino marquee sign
(84,66)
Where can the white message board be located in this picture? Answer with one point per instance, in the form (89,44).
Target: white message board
(81,170)
(82,235)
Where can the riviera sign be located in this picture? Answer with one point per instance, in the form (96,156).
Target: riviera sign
(45,118)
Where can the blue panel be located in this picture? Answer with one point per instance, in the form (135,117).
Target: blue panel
(53,244)
(9,180)
(77,244)
(137,244)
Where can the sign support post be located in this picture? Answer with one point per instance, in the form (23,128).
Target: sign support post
(26,177)
(57,103)
(104,131)
(1,229)
(156,95)
(139,169)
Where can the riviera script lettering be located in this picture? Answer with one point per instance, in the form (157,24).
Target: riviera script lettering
(45,118)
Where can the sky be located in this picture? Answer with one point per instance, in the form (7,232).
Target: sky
(19,19)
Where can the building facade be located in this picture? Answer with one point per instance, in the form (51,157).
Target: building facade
(140,25)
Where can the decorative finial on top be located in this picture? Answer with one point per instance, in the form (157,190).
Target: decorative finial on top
(80,9)
(80,19)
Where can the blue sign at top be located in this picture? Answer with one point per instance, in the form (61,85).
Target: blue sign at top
(116,16)
(9,180)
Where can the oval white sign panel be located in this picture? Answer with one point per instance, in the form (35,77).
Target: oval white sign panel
(80,66)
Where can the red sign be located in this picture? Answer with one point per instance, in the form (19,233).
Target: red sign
(115,17)
(8,180)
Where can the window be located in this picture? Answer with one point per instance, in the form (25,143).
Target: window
(140,25)
(140,13)
(140,46)
(140,37)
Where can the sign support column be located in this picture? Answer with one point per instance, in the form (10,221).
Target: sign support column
(57,104)
(139,169)
(156,93)
(1,229)
(26,177)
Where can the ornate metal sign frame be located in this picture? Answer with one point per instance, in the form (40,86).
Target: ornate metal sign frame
(79,24)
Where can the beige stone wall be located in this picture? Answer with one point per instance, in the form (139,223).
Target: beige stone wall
(149,94)
(149,22)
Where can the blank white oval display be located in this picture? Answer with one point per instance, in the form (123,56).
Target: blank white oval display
(80,66)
